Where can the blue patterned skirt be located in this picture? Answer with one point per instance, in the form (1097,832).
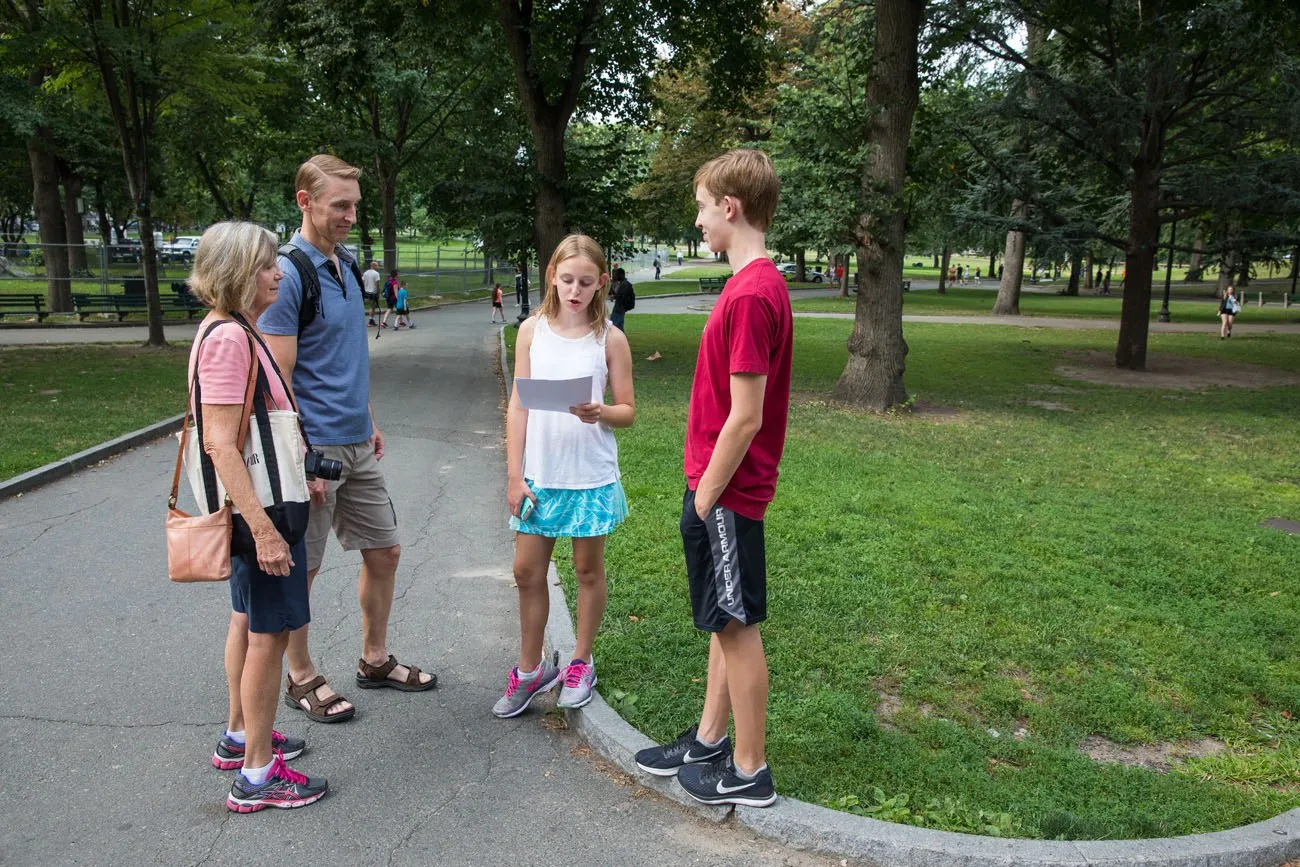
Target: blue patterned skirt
(575,513)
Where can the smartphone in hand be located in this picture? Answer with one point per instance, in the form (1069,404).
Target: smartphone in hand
(525,508)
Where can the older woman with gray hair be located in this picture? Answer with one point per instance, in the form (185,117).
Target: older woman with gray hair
(236,275)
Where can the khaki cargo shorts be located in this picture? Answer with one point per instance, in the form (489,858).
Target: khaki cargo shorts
(357,506)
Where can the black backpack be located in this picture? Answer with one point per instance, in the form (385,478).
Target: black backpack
(627,294)
(310,283)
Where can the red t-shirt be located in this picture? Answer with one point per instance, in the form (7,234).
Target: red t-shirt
(751,330)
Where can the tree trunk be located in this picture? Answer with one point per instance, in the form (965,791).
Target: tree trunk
(800,266)
(1227,266)
(1013,267)
(873,377)
(993,265)
(72,208)
(943,268)
(936,261)
(49,211)
(388,218)
(1076,263)
(105,223)
(1243,270)
(1087,271)
(552,176)
(1194,267)
(1143,239)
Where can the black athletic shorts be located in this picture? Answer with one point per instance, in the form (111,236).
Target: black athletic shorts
(272,603)
(726,566)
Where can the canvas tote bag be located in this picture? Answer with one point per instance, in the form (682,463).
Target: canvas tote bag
(273,456)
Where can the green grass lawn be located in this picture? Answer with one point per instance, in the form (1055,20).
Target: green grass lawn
(978,302)
(1099,571)
(55,401)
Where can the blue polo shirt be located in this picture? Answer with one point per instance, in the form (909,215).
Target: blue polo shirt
(331,379)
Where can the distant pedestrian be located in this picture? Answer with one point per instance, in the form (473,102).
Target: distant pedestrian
(497,305)
(370,289)
(521,288)
(562,476)
(961,280)
(403,307)
(1105,283)
(390,297)
(952,274)
(624,298)
(658,267)
(999,272)
(1229,307)
(679,258)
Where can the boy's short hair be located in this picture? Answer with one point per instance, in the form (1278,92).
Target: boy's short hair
(314,175)
(745,174)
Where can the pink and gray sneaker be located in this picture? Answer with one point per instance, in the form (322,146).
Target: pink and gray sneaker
(579,679)
(520,691)
(229,754)
(284,789)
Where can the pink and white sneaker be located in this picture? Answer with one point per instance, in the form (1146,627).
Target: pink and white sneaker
(579,679)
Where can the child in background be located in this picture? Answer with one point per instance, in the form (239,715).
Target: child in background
(403,307)
(497,303)
(562,468)
(390,298)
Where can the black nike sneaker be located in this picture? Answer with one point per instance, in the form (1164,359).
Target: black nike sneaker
(718,783)
(666,760)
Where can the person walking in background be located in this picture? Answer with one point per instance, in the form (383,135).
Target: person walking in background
(658,266)
(624,298)
(521,288)
(236,275)
(735,435)
(562,476)
(1229,307)
(390,298)
(370,289)
(497,304)
(403,307)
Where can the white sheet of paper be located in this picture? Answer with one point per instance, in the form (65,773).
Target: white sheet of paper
(554,395)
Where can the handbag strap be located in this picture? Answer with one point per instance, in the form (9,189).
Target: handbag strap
(253,369)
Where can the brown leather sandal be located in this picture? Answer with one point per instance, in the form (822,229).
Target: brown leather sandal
(376,677)
(316,709)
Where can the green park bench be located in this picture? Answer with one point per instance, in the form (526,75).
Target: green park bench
(24,305)
(853,284)
(712,284)
(124,305)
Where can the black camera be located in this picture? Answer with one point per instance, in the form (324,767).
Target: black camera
(320,467)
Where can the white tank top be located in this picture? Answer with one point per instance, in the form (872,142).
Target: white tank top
(561,451)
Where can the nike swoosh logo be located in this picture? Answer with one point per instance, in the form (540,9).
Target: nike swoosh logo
(689,758)
(726,790)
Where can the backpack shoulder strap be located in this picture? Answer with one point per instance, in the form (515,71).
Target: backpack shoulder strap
(309,304)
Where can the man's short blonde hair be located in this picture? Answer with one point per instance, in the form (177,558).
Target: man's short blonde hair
(226,265)
(313,175)
(745,174)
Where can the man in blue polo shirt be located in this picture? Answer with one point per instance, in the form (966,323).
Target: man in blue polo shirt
(329,362)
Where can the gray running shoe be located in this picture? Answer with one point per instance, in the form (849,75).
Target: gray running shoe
(579,678)
(521,692)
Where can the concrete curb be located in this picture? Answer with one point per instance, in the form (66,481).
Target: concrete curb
(89,457)
(809,827)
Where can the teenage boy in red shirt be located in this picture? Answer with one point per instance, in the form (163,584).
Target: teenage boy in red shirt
(735,433)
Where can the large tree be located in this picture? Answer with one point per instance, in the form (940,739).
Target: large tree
(1143,88)
(597,55)
(873,377)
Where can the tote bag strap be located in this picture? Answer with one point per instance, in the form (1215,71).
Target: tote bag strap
(270,356)
(209,480)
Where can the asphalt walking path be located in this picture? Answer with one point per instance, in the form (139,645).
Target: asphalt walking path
(114,693)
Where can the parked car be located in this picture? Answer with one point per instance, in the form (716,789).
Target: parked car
(181,249)
(126,250)
(812,275)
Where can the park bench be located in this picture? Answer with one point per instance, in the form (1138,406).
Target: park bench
(853,285)
(124,305)
(24,305)
(712,284)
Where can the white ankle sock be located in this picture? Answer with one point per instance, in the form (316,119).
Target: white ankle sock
(529,675)
(257,776)
(237,737)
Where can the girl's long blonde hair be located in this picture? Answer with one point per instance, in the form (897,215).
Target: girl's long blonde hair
(572,247)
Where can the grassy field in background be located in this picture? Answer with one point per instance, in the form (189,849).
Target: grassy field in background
(957,603)
(56,401)
(979,302)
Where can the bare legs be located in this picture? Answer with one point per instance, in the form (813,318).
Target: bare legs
(737,687)
(532,557)
(253,665)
